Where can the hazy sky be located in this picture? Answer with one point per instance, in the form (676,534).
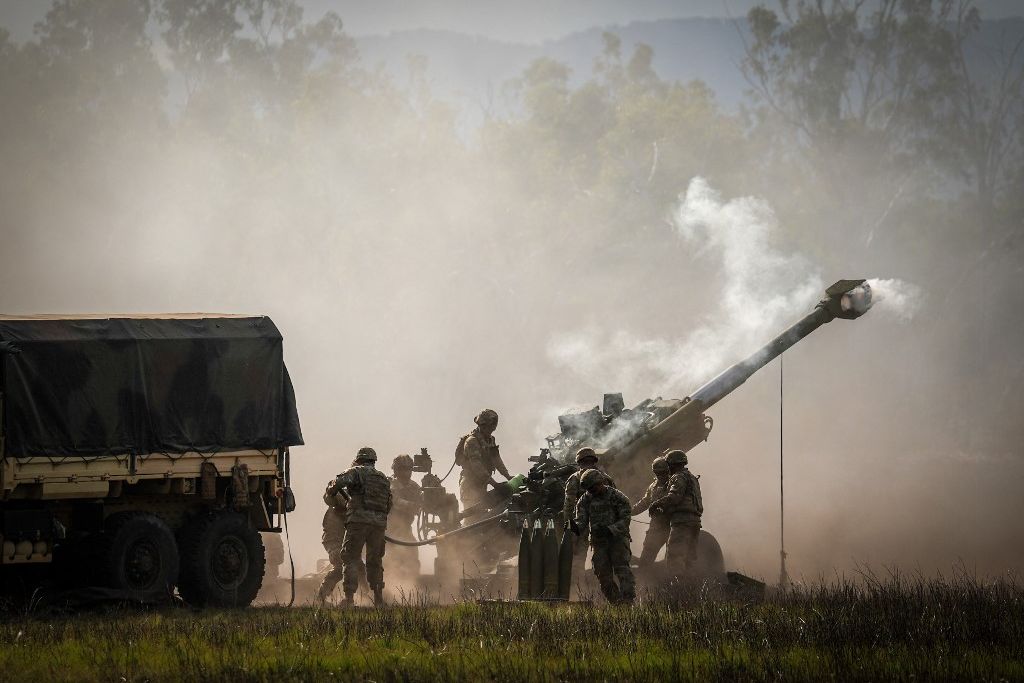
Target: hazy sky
(521,21)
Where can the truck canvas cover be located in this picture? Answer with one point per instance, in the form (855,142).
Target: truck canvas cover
(170,384)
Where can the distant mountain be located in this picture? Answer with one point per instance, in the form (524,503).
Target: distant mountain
(470,71)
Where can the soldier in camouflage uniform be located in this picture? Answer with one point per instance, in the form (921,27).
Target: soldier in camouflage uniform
(586,459)
(684,506)
(368,492)
(606,511)
(477,454)
(333,539)
(407,499)
(658,531)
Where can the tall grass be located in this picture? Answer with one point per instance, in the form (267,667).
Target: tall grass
(960,628)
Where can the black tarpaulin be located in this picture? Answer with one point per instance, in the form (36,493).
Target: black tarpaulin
(144,385)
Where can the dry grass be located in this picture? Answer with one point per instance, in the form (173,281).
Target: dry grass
(893,629)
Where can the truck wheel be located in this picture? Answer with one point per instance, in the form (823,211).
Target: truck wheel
(222,561)
(137,553)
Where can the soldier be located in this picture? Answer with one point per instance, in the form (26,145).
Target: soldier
(407,499)
(333,539)
(478,455)
(683,505)
(658,531)
(368,492)
(586,459)
(606,511)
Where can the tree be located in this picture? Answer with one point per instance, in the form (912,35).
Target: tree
(891,88)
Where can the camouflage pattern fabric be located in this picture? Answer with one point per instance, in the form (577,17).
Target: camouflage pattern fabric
(681,547)
(357,536)
(479,457)
(145,385)
(682,502)
(370,492)
(608,515)
(683,506)
(655,539)
(657,489)
(658,531)
(573,491)
(333,540)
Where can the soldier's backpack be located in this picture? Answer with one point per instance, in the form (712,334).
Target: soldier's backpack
(694,490)
(376,489)
(460,449)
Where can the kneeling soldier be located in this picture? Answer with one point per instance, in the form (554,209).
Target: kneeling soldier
(606,511)
(369,494)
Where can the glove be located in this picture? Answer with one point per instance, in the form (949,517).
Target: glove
(656,510)
(573,527)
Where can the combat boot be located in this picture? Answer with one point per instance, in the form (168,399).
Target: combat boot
(378,596)
(611,591)
(349,601)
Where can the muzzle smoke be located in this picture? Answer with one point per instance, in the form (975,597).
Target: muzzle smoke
(763,289)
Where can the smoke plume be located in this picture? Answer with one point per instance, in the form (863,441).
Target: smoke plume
(762,288)
(899,298)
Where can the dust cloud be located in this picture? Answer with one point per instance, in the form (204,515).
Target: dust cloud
(420,272)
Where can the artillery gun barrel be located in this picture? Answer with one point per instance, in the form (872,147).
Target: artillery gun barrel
(846,299)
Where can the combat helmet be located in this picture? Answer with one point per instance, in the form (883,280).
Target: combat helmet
(677,457)
(366,454)
(659,466)
(584,453)
(486,416)
(402,462)
(592,478)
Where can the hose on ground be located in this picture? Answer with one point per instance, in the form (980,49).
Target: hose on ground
(435,539)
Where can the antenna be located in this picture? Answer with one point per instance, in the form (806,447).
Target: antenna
(783,575)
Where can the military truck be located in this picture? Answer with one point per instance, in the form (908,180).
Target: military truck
(143,454)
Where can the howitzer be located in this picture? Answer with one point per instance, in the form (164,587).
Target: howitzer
(627,440)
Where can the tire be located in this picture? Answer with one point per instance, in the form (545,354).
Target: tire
(137,553)
(222,561)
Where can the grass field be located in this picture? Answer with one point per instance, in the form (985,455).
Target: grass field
(897,629)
